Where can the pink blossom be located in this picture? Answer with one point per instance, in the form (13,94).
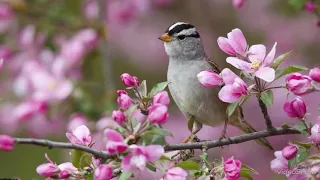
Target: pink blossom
(106,122)
(73,51)
(296,108)
(299,84)
(158,113)
(259,62)
(48,169)
(27,36)
(209,79)
(232,168)
(66,169)
(124,101)
(28,109)
(315,74)
(115,142)
(103,172)
(280,163)
(289,152)
(81,135)
(48,87)
(119,117)
(6,143)
(5,53)
(88,37)
(234,89)
(235,44)
(129,81)
(162,98)
(120,92)
(6,17)
(315,133)
(238,3)
(140,156)
(91,9)
(176,173)
(311,7)
(162,3)
(77,120)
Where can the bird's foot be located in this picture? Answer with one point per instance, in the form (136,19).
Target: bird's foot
(223,136)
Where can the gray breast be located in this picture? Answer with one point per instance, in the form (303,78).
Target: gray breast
(191,97)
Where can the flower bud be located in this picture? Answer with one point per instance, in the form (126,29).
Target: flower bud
(6,143)
(119,92)
(129,81)
(315,133)
(289,152)
(296,108)
(158,113)
(238,3)
(311,7)
(124,101)
(103,172)
(162,98)
(64,174)
(47,170)
(209,79)
(119,117)
(315,74)
(299,84)
(232,168)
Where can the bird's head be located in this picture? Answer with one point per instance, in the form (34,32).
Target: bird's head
(182,39)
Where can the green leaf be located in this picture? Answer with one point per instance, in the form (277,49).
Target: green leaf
(90,176)
(131,110)
(301,156)
(246,175)
(75,157)
(158,131)
(305,145)
(289,70)
(143,88)
(205,160)
(146,99)
(301,128)
(188,165)
(279,60)
(85,160)
(158,88)
(125,176)
(151,167)
(246,168)
(298,4)
(231,108)
(267,97)
(159,140)
(121,130)
(285,126)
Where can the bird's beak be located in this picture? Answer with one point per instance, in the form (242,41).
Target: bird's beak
(165,37)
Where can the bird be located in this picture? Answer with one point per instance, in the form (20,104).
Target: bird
(200,105)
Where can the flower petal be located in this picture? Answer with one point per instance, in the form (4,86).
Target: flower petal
(239,64)
(266,73)
(73,139)
(209,79)
(257,53)
(270,57)
(227,94)
(154,152)
(237,41)
(113,135)
(228,76)
(225,46)
(126,165)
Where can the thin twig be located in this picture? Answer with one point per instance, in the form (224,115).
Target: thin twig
(265,113)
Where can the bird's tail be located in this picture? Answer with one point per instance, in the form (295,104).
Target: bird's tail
(247,128)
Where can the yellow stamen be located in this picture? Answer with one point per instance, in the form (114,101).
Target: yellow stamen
(255,65)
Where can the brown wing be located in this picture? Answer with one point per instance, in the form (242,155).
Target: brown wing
(214,66)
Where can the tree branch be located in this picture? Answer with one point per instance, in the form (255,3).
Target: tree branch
(266,116)
(232,140)
(197,145)
(62,145)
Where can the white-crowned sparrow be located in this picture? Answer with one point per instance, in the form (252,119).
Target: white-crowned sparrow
(200,105)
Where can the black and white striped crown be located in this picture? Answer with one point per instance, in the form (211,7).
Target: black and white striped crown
(182,28)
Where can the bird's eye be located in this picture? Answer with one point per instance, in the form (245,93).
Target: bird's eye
(181,37)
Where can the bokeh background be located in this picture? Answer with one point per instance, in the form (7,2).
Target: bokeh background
(83,46)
